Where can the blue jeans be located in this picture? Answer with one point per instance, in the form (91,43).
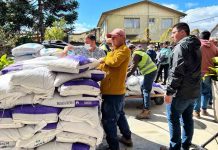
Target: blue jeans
(112,116)
(179,113)
(205,95)
(146,88)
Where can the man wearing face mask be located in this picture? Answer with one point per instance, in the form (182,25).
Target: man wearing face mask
(89,49)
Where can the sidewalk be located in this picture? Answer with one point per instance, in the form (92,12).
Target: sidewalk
(151,134)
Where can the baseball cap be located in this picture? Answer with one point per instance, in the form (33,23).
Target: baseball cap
(117,32)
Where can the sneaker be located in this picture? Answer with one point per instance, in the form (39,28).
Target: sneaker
(204,112)
(196,114)
(145,114)
(125,141)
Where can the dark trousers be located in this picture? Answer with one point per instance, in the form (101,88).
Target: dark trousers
(160,69)
(112,116)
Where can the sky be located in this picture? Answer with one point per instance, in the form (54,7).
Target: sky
(201,14)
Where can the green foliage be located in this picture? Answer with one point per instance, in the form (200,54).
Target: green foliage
(4,61)
(18,16)
(7,39)
(15,14)
(28,38)
(166,35)
(56,32)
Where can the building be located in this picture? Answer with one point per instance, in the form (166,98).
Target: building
(144,20)
(214,32)
(79,37)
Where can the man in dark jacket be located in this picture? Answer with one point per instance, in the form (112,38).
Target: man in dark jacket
(183,87)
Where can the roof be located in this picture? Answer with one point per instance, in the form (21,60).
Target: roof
(214,28)
(85,32)
(147,1)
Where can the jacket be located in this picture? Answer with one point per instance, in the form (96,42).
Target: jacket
(167,53)
(152,54)
(143,62)
(115,65)
(185,72)
(208,51)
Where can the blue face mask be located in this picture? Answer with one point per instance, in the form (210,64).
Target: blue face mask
(87,46)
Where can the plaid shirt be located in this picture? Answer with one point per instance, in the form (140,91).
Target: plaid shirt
(81,50)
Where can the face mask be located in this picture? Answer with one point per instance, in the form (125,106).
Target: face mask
(87,46)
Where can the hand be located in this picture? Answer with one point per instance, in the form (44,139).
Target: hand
(101,60)
(66,49)
(63,54)
(168,99)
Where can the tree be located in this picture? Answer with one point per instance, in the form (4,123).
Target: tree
(7,41)
(15,14)
(49,11)
(36,15)
(166,35)
(195,32)
(56,32)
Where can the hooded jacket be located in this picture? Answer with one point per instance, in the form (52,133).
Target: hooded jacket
(185,72)
(208,51)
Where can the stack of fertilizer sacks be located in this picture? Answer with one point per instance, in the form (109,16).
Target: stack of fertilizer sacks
(50,103)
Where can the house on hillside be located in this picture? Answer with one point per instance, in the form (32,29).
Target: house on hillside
(214,32)
(144,20)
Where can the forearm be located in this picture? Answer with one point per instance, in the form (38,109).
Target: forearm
(131,70)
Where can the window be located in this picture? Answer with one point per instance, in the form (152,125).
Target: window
(132,23)
(166,23)
(151,20)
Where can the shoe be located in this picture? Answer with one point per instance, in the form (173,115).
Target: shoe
(145,114)
(125,141)
(204,112)
(196,114)
(164,148)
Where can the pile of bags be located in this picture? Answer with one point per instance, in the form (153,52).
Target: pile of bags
(133,85)
(50,103)
(32,50)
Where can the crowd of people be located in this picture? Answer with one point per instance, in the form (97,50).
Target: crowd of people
(186,76)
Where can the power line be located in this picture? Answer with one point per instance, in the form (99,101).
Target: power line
(203,19)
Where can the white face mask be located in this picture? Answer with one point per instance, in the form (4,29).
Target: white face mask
(87,46)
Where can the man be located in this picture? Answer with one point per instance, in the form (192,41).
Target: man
(90,48)
(147,68)
(164,62)
(113,89)
(151,52)
(183,87)
(208,51)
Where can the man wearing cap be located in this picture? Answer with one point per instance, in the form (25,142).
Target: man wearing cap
(113,89)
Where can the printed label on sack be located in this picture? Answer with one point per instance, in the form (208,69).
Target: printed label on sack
(80,103)
(65,103)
